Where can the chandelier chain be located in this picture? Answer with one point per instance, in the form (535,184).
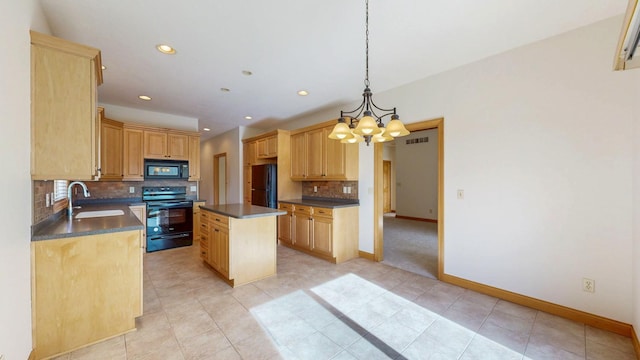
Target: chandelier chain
(366,77)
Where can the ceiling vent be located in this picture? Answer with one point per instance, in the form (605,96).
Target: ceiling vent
(628,53)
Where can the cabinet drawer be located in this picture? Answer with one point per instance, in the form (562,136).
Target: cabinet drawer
(287,207)
(304,210)
(324,212)
(204,229)
(204,216)
(217,219)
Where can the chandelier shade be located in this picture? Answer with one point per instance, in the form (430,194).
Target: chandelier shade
(369,127)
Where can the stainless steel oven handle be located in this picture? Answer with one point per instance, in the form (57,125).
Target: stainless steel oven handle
(183,204)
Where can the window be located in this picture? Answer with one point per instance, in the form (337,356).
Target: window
(59,195)
(60,190)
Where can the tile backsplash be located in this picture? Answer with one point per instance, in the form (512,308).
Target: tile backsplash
(100,190)
(330,189)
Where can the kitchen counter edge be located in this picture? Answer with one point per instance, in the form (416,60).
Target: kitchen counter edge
(325,203)
(61,227)
(242,211)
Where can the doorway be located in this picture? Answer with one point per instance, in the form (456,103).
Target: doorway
(378,255)
(220,179)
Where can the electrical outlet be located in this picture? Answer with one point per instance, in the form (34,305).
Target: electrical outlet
(47,203)
(132,189)
(344,189)
(588,285)
(194,188)
(460,194)
(52,198)
(315,188)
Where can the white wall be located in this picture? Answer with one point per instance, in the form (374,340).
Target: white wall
(150,118)
(16,18)
(229,143)
(635,75)
(417,176)
(540,138)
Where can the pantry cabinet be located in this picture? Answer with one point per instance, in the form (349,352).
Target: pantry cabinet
(64,119)
(111,149)
(165,145)
(327,233)
(316,157)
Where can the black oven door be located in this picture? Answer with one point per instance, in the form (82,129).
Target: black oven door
(169,218)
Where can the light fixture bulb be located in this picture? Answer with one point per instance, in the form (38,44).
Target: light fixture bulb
(395,127)
(355,139)
(166,49)
(341,131)
(144,97)
(367,125)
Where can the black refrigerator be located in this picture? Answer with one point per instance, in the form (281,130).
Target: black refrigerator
(264,188)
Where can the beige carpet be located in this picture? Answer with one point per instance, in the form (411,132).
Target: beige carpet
(411,245)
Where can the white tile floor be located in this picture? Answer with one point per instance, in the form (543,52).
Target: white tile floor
(356,310)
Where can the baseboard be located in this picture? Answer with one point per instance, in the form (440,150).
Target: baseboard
(366,255)
(417,219)
(636,342)
(555,309)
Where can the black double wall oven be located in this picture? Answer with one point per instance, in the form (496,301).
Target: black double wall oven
(169,217)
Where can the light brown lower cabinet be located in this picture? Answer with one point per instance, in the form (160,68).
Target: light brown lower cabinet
(196,220)
(240,250)
(85,289)
(328,233)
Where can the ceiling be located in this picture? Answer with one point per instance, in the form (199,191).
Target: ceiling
(318,46)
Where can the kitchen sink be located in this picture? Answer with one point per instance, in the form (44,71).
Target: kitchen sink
(98,213)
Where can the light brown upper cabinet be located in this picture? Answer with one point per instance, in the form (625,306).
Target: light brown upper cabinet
(111,138)
(316,157)
(64,120)
(133,159)
(165,145)
(194,158)
(267,147)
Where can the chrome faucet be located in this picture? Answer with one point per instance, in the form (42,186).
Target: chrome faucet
(86,194)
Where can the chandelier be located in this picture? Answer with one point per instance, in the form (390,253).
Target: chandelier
(369,127)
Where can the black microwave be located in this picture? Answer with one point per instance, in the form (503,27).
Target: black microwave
(166,169)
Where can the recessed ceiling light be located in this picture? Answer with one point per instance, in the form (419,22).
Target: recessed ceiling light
(248,117)
(247,72)
(303,93)
(144,97)
(225,89)
(104,67)
(206,129)
(166,49)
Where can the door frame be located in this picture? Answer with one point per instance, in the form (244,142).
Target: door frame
(378,238)
(386,177)
(216,177)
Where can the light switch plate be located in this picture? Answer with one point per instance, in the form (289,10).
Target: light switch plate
(194,188)
(132,189)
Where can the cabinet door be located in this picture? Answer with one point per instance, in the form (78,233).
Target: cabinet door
(272,146)
(298,156)
(177,146)
(64,129)
(133,158)
(335,158)
(214,247)
(250,153)
(284,228)
(111,147)
(302,230)
(261,146)
(316,140)
(322,239)
(155,144)
(194,158)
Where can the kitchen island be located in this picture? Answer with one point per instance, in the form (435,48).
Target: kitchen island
(239,241)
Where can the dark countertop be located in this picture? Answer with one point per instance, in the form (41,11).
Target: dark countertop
(242,211)
(62,227)
(323,202)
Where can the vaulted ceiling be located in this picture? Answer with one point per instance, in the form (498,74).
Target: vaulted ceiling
(317,46)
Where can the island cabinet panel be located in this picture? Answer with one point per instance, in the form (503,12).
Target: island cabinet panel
(64,119)
(328,233)
(240,250)
(85,289)
(196,220)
